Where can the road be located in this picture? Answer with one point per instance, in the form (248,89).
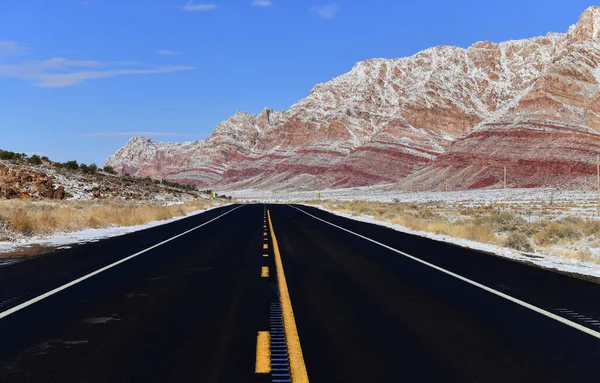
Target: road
(277,293)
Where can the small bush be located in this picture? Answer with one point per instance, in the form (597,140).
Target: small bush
(12,156)
(69,165)
(584,255)
(21,221)
(572,220)
(35,160)
(591,227)
(500,222)
(427,214)
(89,169)
(109,169)
(555,232)
(518,241)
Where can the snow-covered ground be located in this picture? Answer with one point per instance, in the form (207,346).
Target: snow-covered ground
(583,203)
(66,240)
(383,194)
(543,260)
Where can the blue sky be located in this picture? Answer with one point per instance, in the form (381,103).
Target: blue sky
(79,78)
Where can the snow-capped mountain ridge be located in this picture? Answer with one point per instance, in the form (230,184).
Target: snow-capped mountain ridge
(387,119)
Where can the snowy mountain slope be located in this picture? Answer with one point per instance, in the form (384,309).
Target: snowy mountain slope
(387,119)
(548,135)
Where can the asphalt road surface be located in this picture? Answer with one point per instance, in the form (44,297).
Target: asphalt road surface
(237,294)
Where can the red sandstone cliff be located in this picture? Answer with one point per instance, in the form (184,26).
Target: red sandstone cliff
(446,112)
(546,136)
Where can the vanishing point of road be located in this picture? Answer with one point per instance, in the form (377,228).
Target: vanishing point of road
(289,293)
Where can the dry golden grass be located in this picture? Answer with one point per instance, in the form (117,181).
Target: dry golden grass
(559,232)
(428,219)
(487,225)
(583,254)
(47,217)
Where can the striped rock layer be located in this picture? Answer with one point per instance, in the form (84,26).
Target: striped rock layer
(445,116)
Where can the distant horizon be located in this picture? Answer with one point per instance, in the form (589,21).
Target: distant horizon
(78,88)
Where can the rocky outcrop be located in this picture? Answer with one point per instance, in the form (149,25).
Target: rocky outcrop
(547,135)
(444,114)
(27,184)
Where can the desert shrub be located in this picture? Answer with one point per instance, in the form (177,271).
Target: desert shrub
(530,228)
(591,227)
(518,241)
(178,185)
(109,169)
(475,233)
(69,165)
(89,169)
(35,160)
(500,222)
(555,232)
(584,255)
(20,220)
(427,214)
(7,155)
(572,220)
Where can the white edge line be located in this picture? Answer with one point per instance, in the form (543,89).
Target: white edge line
(13,310)
(558,318)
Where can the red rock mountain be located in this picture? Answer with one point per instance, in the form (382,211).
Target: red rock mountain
(446,113)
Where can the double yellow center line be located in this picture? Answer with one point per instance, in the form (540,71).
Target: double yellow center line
(294,350)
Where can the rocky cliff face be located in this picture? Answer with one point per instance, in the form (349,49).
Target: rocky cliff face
(445,112)
(546,136)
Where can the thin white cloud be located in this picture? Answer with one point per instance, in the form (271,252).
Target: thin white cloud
(62,72)
(166,52)
(12,48)
(328,11)
(136,134)
(191,7)
(261,3)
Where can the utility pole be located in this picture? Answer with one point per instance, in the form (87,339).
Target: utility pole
(505,187)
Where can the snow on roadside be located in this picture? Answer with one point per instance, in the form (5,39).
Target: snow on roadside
(543,260)
(66,240)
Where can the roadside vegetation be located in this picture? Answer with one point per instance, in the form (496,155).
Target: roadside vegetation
(43,197)
(565,236)
(44,217)
(91,169)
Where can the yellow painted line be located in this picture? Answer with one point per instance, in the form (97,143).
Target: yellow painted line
(265,234)
(265,246)
(265,255)
(297,365)
(265,272)
(263,353)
